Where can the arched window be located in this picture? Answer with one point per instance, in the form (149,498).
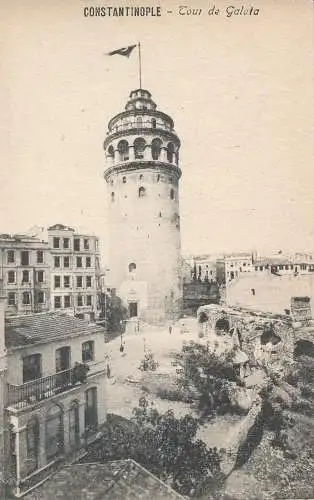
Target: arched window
(132,267)
(74,425)
(139,147)
(156,148)
(123,149)
(141,192)
(153,123)
(124,180)
(32,443)
(112,196)
(172,194)
(170,151)
(54,432)
(110,151)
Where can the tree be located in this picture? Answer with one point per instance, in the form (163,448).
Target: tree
(212,376)
(166,446)
(112,311)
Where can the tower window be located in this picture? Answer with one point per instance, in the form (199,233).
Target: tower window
(171,194)
(112,196)
(153,123)
(156,149)
(124,180)
(132,267)
(170,152)
(123,149)
(139,147)
(110,151)
(141,192)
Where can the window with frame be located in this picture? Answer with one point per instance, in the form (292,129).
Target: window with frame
(32,444)
(40,257)
(88,261)
(57,281)
(86,244)
(66,243)
(11,299)
(26,298)
(54,432)
(40,276)
(79,281)
(57,302)
(88,281)
(76,244)
(67,301)
(25,277)
(40,297)
(74,425)
(56,242)
(11,277)
(88,300)
(57,261)
(66,281)
(66,261)
(79,300)
(88,351)
(31,367)
(91,420)
(10,256)
(25,258)
(78,261)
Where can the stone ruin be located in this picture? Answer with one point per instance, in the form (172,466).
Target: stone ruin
(257,339)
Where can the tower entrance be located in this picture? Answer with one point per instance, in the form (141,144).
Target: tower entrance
(133,309)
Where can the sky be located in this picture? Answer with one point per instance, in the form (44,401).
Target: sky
(240,91)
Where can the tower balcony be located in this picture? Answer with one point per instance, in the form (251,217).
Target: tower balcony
(140,164)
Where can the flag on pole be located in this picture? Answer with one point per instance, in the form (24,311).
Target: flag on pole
(124,51)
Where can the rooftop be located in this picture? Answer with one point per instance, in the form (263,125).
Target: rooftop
(37,328)
(118,480)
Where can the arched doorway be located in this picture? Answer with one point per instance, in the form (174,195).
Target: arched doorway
(222,326)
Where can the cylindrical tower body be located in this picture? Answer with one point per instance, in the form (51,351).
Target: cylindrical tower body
(142,154)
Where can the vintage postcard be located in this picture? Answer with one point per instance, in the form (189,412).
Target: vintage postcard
(157,250)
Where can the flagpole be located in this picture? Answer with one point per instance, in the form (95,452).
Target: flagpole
(140,63)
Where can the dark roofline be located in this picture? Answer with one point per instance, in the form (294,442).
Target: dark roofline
(34,342)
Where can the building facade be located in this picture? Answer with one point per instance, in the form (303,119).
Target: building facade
(55,393)
(75,271)
(25,273)
(142,174)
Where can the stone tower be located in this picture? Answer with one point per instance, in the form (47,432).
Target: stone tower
(142,173)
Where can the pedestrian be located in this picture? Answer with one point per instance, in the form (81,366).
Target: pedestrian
(108,371)
(170,329)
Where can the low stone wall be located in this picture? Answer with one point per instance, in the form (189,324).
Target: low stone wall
(243,438)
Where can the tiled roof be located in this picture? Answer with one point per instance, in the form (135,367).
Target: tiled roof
(44,327)
(118,480)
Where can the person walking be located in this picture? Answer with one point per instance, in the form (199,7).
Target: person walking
(170,329)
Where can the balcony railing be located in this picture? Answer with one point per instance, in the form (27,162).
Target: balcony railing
(30,393)
(21,396)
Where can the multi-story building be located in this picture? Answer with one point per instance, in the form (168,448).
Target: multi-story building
(75,271)
(53,387)
(237,263)
(25,272)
